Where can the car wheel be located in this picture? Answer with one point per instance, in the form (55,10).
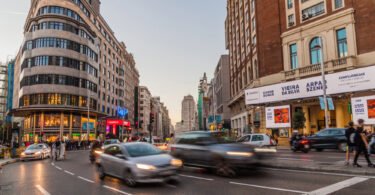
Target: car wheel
(101,172)
(223,168)
(129,179)
(319,149)
(342,147)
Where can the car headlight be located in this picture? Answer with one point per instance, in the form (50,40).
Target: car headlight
(145,166)
(37,153)
(244,154)
(23,154)
(98,152)
(176,162)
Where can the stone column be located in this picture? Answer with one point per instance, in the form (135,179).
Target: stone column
(307,128)
(340,118)
(70,126)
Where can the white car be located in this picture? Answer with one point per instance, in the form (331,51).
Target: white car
(36,151)
(257,140)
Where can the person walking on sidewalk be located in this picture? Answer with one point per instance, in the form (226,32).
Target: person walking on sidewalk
(350,134)
(361,144)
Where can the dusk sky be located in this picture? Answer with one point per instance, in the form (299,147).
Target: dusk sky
(174,41)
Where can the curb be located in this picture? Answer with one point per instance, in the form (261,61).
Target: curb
(364,171)
(10,161)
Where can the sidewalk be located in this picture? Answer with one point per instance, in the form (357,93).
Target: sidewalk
(334,167)
(8,161)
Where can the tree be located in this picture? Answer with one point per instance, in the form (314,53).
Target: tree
(299,120)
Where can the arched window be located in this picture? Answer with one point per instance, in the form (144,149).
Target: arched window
(315,46)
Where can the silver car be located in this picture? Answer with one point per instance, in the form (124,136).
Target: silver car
(36,151)
(137,162)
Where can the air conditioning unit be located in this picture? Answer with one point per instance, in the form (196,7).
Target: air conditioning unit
(305,16)
(291,24)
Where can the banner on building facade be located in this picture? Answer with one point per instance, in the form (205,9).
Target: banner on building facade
(336,83)
(364,108)
(278,117)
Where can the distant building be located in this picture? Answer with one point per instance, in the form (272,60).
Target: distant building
(221,89)
(187,115)
(144,110)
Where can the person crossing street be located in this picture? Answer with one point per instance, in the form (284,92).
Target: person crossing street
(361,144)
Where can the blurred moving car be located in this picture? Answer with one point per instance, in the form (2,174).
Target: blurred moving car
(109,141)
(332,138)
(36,151)
(156,141)
(213,149)
(257,140)
(137,162)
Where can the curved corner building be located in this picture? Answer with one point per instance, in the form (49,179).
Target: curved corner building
(69,63)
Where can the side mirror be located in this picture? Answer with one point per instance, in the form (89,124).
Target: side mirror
(121,156)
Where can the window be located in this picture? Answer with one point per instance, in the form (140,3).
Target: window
(255,40)
(256,69)
(338,4)
(290,4)
(253,24)
(252,6)
(315,50)
(291,20)
(313,11)
(293,56)
(342,46)
(255,138)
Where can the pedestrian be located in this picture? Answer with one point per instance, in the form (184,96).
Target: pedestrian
(361,144)
(371,144)
(350,142)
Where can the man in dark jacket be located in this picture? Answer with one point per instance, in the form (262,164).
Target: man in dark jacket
(350,145)
(361,144)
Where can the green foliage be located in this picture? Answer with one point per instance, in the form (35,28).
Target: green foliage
(299,120)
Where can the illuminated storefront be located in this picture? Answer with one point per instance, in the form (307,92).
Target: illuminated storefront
(114,126)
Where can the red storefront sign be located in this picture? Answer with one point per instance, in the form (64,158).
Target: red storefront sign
(118,122)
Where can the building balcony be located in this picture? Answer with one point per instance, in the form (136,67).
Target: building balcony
(315,69)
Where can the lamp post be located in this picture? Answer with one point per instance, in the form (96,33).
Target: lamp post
(320,46)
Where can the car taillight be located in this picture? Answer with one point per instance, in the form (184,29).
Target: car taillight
(304,141)
(173,148)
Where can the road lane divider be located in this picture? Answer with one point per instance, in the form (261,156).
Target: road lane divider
(270,188)
(116,190)
(68,172)
(42,190)
(85,179)
(338,186)
(59,168)
(190,176)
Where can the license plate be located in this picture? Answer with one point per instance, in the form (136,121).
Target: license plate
(307,146)
(167,172)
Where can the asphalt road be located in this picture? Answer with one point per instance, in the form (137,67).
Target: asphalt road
(77,176)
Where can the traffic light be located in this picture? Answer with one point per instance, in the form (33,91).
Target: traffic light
(152,117)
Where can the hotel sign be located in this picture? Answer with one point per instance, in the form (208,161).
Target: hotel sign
(336,83)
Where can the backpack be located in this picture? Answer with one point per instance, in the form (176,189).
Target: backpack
(352,138)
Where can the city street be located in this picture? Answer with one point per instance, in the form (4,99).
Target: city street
(77,176)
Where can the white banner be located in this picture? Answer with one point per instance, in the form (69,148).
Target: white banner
(342,82)
(364,108)
(278,117)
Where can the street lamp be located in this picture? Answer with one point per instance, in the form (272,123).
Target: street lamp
(320,46)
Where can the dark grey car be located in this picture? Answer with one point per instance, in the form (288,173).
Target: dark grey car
(332,138)
(213,150)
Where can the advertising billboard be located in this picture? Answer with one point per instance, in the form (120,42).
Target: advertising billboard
(278,117)
(336,83)
(364,108)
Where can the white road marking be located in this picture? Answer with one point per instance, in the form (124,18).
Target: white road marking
(338,186)
(208,179)
(42,190)
(53,164)
(85,179)
(295,159)
(70,173)
(116,190)
(59,168)
(321,173)
(172,186)
(271,188)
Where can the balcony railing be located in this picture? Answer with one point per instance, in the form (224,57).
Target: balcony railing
(314,69)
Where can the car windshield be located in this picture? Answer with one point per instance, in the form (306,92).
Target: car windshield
(222,137)
(110,142)
(33,147)
(141,149)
